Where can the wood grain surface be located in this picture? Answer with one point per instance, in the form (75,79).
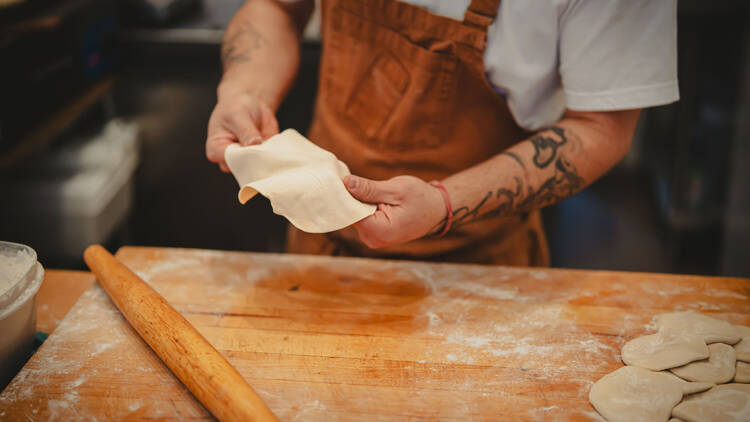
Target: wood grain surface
(331,339)
(59,292)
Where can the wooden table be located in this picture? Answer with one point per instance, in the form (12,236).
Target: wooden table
(353,339)
(59,292)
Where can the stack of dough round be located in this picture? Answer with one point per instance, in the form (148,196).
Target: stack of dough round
(694,368)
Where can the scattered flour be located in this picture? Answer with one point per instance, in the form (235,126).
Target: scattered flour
(316,407)
(674,291)
(723,293)
(101,347)
(166,266)
(433,317)
(78,382)
(537,337)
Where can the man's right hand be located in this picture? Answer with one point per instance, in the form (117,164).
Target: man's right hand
(238,117)
(260,57)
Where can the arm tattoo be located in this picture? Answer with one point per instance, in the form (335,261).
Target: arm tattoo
(515,156)
(463,215)
(563,183)
(545,147)
(238,46)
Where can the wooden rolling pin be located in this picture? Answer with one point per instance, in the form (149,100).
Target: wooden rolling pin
(179,345)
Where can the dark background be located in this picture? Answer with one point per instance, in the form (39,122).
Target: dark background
(678,203)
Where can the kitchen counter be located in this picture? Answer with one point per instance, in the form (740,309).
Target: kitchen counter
(323,338)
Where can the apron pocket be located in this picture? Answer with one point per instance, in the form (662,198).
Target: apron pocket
(398,94)
(376,95)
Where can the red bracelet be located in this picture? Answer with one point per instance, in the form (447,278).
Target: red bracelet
(448,206)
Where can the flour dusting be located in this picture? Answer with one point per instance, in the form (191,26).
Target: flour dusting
(78,382)
(724,293)
(166,266)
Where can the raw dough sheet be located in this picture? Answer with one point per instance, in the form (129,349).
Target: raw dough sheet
(303,182)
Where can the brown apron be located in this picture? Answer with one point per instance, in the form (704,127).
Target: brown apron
(403,91)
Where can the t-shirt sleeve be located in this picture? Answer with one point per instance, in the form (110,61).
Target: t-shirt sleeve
(617,54)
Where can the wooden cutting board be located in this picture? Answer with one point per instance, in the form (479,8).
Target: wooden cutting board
(347,339)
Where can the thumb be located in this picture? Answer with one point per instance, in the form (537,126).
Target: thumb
(369,191)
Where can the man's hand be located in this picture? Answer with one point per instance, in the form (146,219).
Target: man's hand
(238,117)
(260,57)
(408,208)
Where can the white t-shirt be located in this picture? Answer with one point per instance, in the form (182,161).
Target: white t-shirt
(545,56)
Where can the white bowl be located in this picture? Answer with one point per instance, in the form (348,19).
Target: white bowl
(21,276)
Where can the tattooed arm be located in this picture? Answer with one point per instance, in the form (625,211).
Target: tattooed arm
(260,58)
(260,51)
(546,168)
(550,166)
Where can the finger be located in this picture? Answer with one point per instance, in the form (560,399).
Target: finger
(216,145)
(223,167)
(243,126)
(376,223)
(373,230)
(366,238)
(370,191)
(269,125)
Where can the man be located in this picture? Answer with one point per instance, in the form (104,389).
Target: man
(505,106)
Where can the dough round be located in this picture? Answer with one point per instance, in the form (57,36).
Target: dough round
(636,394)
(742,373)
(690,323)
(726,402)
(743,347)
(664,350)
(718,369)
(302,181)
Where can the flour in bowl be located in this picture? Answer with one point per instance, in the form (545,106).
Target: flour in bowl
(13,266)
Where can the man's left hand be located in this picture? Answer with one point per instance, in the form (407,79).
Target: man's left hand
(408,208)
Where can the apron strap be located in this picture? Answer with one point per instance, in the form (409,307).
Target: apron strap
(481,13)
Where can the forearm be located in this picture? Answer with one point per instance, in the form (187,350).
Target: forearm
(260,50)
(550,166)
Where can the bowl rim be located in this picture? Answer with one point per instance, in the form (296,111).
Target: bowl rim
(26,286)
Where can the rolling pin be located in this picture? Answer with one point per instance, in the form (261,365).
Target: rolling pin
(202,369)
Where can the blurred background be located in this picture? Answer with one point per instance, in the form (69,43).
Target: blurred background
(104,106)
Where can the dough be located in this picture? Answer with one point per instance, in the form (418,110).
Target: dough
(710,329)
(636,394)
(676,420)
(742,373)
(302,181)
(664,350)
(743,347)
(726,402)
(718,369)
(690,387)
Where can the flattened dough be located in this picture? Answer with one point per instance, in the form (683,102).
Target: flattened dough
(302,181)
(743,347)
(710,329)
(742,372)
(726,402)
(664,350)
(636,394)
(718,369)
